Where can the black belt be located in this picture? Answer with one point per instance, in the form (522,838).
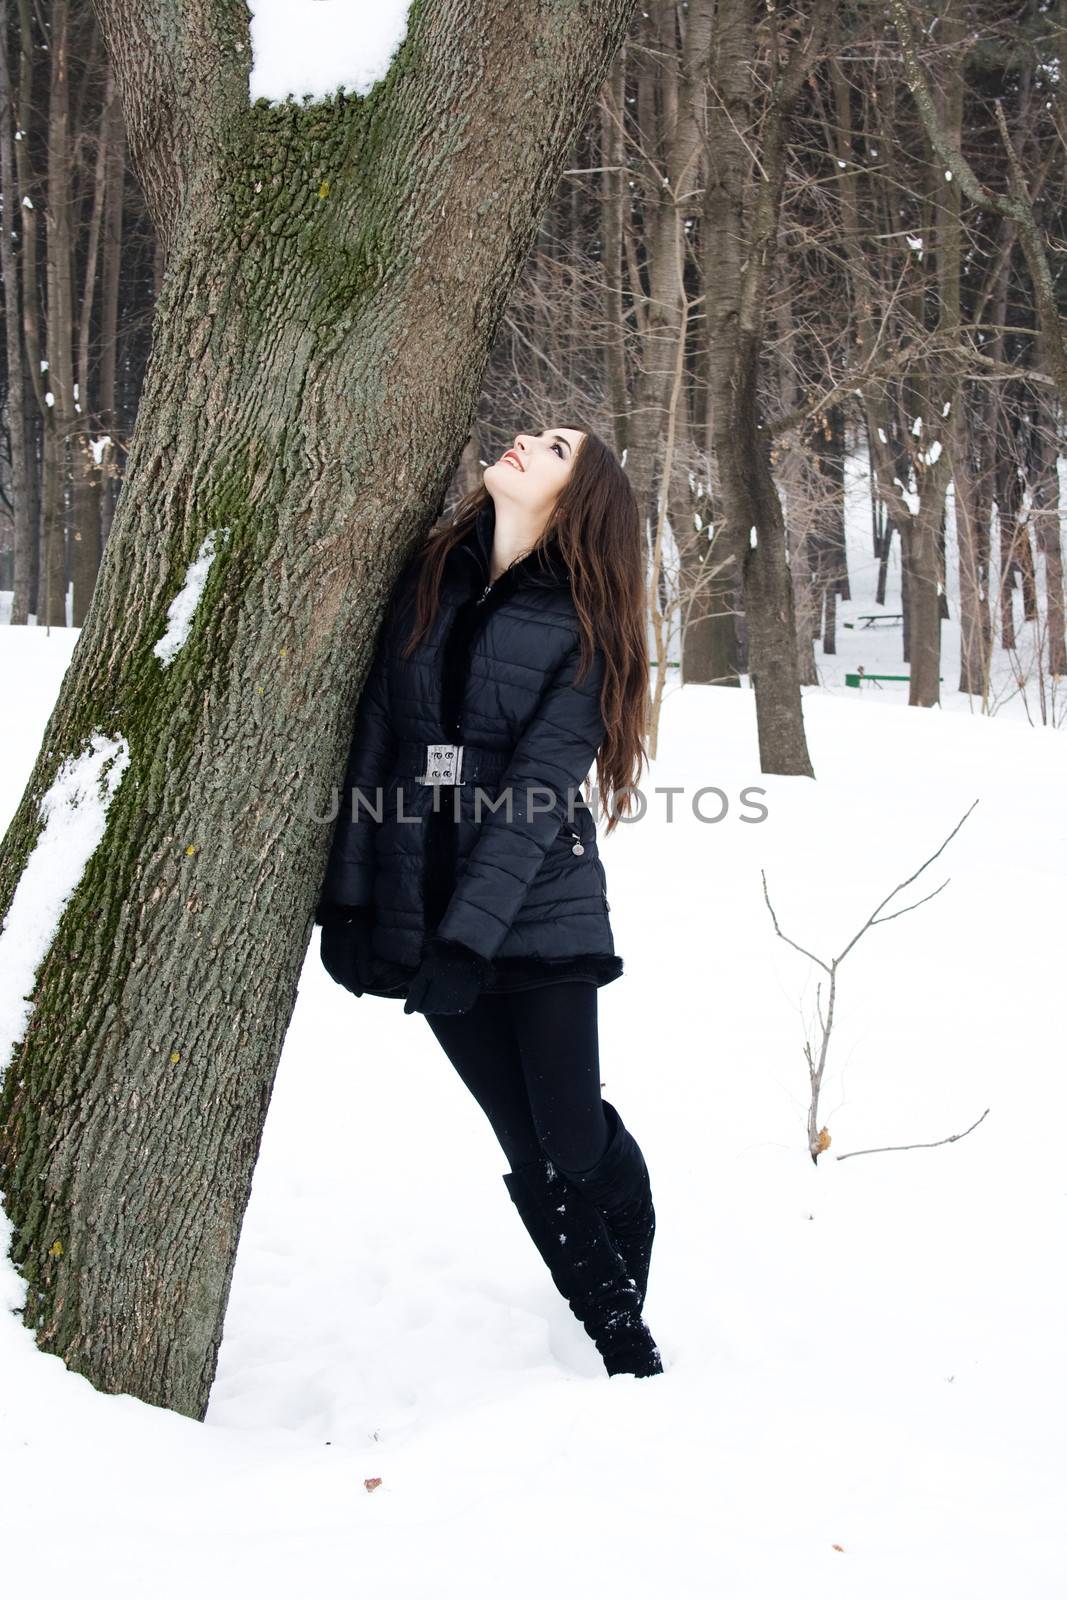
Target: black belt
(450,763)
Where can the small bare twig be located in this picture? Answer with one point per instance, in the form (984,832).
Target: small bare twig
(928,1144)
(819,1139)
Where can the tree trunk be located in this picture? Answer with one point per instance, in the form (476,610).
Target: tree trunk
(1046,515)
(671,191)
(335,274)
(59,413)
(923,605)
(106,408)
(31,293)
(613,189)
(975,633)
(937,387)
(87,476)
(21,524)
(830,544)
(804,506)
(740,239)
(1009,497)
(981,412)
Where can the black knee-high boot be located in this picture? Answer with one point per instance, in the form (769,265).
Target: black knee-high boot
(619,1186)
(574,1242)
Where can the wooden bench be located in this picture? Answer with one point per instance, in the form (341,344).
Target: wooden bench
(853,680)
(868,619)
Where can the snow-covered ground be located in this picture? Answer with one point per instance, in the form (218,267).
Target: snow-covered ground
(864,1393)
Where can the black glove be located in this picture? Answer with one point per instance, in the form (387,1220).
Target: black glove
(345,946)
(327,911)
(449,980)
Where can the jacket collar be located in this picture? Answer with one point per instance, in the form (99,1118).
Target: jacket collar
(542,568)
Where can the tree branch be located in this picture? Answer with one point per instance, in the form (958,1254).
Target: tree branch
(928,1144)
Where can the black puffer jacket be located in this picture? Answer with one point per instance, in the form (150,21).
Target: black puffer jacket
(496,674)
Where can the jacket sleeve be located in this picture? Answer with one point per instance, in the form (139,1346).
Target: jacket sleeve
(551,759)
(350,865)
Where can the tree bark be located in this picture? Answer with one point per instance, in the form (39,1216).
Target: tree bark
(975,631)
(810,518)
(613,190)
(106,408)
(59,410)
(22,524)
(87,475)
(740,238)
(674,193)
(31,291)
(334,277)
(1047,521)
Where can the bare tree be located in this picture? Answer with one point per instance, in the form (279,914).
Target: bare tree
(817,1055)
(76,345)
(21,520)
(1016,204)
(59,410)
(746,154)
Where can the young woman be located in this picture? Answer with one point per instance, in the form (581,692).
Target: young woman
(464,874)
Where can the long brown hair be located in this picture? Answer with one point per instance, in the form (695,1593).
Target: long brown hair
(598,526)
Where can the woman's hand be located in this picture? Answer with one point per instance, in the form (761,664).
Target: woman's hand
(345,947)
(449,980)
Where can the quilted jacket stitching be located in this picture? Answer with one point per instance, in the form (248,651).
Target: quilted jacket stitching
(456,649)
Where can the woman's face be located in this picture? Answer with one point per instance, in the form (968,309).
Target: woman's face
(532,471)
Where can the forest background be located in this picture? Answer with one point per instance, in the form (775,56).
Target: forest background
(784,235)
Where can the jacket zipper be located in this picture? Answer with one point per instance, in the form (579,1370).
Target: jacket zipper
(478,564)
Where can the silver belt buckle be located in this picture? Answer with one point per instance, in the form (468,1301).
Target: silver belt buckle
(443,764)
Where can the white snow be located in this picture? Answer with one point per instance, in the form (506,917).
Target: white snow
(928,457)
(182,608)
(74,812)
(915,241)
(864,1393)
(910,497)
(311,49)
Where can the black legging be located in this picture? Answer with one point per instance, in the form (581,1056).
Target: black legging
(531,1060)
